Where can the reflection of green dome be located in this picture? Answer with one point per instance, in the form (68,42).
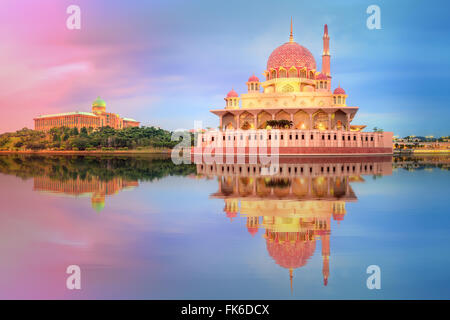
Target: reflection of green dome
(98,206)
(99,103)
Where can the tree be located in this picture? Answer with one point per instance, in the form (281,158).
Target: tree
(81,143)
(84,132)
(18,144)
(74,132)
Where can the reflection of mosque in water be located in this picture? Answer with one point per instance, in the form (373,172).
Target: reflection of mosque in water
(294,206)
(91,186)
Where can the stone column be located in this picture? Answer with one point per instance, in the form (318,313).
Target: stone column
(255,121)
(329,122)
(310,121)
(348,121)
(238,121)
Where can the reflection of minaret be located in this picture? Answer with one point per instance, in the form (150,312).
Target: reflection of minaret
(291,277)
(325,258)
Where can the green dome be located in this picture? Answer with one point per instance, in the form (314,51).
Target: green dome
(99,103)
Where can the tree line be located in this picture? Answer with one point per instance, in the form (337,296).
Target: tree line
(104,138)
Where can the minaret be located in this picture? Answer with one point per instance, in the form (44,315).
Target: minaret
(291,37)
(326,52)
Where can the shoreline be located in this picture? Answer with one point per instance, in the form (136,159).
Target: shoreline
(83,152)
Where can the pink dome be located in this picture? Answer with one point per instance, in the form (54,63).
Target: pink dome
(322,76)
(252,230)
(253,78)
(339,90)
(232,94)
(291,54)
(291,254)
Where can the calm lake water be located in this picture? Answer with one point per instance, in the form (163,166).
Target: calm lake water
(141,227)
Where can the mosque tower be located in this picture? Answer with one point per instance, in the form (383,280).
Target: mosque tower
(326,52)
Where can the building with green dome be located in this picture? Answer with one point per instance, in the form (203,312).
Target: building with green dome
(79,119)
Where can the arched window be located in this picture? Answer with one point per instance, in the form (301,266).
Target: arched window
(302,74)
(321,85)
(282,73)
(252,86)
(325,85)
(339,100)
(334,98)
(274,74)
(292,73)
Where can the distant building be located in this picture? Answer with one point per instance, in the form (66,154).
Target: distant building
(92,186)
(95,119)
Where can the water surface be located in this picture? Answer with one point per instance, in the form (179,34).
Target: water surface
(142,227)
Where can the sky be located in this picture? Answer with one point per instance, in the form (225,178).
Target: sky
(167,63)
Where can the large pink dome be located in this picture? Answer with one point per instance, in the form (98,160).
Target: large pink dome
(291,54)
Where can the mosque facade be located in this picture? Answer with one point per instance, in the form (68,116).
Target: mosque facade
(294,108)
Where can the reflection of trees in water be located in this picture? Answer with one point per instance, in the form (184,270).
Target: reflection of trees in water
(104,168)
(422,162)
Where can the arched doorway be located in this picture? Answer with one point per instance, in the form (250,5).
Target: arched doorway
(320,120)
(301,120)
(247,121)
(229,121)
(263,116)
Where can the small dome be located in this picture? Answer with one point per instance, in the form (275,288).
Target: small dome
(252,230)
(339,90)
(232,94)
(322,76)
(231,214)
(253,78)
(99,103)
(338,216)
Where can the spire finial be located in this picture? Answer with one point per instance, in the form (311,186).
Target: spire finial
(291,37)
(291,276)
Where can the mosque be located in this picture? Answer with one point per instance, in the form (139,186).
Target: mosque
(297,100)
(95,119)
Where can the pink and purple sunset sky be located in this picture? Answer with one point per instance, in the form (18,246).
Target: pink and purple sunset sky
(166,63)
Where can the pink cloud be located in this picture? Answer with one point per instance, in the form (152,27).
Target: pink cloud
(47,68)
